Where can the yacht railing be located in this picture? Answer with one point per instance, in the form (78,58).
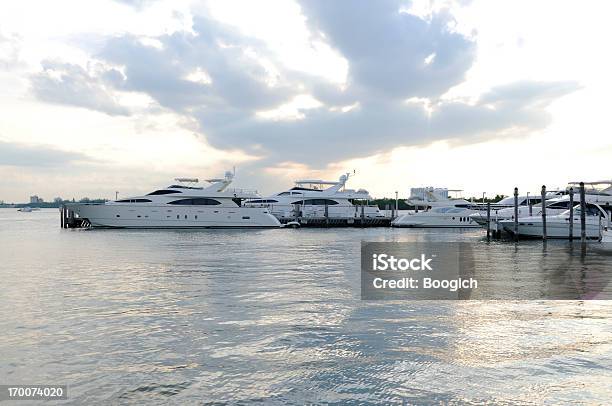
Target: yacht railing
(242,191)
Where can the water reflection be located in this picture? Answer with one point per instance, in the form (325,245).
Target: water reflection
(274,316)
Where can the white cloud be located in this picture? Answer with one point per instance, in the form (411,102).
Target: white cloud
(283,86)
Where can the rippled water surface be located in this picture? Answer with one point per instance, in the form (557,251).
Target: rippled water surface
(274,316)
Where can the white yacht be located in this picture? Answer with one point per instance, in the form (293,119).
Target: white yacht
(557,226)
(313,197)
(557,202)
(182,205)
(440,211)
(28,209)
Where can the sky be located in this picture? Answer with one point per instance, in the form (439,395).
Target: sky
(105,96)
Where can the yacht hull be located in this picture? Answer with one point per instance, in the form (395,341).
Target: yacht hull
(433,221)
(554,229)
(150,216)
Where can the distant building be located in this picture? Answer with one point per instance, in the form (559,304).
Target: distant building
(36,199)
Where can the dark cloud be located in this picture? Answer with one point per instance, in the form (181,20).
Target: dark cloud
(324,136)
(15,154)
(238,80)
(64,83)
(388,50)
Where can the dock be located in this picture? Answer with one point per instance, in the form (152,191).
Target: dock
(68,219)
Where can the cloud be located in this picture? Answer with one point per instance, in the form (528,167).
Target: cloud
(393,53)
(24,155)
(9,52)
(399,67)
(69,84)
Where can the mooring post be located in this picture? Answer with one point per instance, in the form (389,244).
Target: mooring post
(61,210)
(571,214)
(488,221)
(362,214)
(530,205)
(326,214)
(582,213)
(396,192)
(600,230)
(296,212)
(544,236)
(515,214)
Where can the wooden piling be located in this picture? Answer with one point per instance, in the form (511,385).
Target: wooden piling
(582,213)
(362,214)
(571,214)
(326,214)
(488,221)
(530,205)
(544,236)
(296,211)
(515,214)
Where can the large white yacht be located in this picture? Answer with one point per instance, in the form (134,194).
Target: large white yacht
(181,205)
(439,210)
(557,226)
(313,197)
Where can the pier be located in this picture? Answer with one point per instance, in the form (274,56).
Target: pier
(68,219)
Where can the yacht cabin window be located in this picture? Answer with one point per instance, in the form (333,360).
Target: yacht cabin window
(197,201)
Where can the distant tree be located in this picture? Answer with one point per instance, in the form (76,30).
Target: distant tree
(58,200)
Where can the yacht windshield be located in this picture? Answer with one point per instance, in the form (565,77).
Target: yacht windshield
(591,210)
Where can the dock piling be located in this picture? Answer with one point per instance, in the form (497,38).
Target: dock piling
(362,215)
(571,214)
(326,214)
(515,214)
(582,213)
(488,221)
(544,236)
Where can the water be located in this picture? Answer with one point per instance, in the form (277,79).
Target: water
(273,316)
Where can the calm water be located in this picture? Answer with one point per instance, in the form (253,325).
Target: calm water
(274,316)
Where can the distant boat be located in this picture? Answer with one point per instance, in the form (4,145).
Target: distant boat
(28,209)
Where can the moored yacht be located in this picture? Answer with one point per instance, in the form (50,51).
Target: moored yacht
(181,205)
(313,198)
(440,211)
(597,217)
(557,202)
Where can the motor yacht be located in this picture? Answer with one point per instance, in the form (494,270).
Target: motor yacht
(314,198)
(557,202)
(185,204)
(557,226)
(438,210)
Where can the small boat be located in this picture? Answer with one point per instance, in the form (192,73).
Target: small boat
(28,209)
(606,236)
